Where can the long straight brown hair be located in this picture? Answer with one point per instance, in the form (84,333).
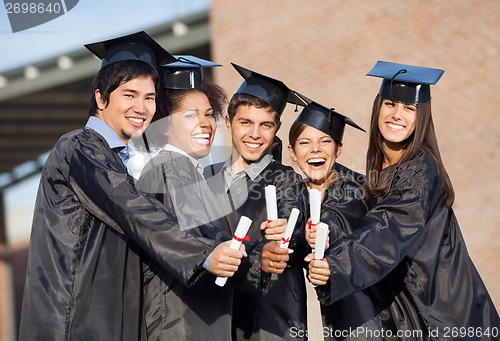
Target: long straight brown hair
(424,137)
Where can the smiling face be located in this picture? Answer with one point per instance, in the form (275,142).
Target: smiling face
(315,152)
(396,123)
(130,107)
(192,125)
(252,132)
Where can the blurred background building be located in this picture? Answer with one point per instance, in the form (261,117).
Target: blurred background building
(322,49)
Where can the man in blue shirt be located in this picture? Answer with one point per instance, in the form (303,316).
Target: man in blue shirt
(90,223)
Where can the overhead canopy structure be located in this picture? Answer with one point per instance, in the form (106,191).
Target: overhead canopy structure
(42,101)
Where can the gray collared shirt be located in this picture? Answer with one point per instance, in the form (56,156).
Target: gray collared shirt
(253,170)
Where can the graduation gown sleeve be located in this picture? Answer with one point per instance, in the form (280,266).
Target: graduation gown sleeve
(343,208)
(171,310)
(84,276)
(412,239)
(115,199)
(283,308)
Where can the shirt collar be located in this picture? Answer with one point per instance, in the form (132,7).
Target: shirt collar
(171,148)
(105,131)
(110,136)
(253,170)
(196,163)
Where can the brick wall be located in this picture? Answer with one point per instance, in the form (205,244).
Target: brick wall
(6,302)
(324,49)
(4,307)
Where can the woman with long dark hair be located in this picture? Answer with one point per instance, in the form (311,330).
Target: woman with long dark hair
(409,245)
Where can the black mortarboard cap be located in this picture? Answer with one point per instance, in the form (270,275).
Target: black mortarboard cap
(326,120)
(271,90)
(136,46)
(185,73)
(405,83)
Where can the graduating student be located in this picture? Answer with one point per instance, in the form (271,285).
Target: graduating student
(84,276)
(183,130)
(253,121)
(410,240)
(315,144)
(181,133)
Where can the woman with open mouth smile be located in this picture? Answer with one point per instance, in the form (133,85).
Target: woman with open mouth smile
(183,130)
(315,143)
(315,153)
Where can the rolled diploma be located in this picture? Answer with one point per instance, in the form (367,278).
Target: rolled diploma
(321,235)
(315,205)
(239,234)
(271,205)
(292,220)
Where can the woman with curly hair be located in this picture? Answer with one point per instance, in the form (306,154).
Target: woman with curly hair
(182,132)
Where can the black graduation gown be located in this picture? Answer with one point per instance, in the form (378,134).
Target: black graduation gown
(283,308)
(343,207)
(173,311)
(84,276)
(410,244)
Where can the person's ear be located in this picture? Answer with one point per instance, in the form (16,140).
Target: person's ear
(101,104)
(292,153)
(339,150)
(228,124)
(278,126)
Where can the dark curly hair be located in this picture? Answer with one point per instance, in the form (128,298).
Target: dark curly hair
(169,101)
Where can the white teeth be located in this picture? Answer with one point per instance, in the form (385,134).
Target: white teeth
(395,126)
(135,120)
(316,160)
(201,136)
(202,139)
(252,145)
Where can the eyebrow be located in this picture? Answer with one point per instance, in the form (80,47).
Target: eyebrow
(269,122)
(197,110)
(319,138)
(137,92)
(249,120)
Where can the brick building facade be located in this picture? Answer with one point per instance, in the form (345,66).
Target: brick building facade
(324,48)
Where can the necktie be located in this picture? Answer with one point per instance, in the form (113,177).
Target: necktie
(199,169)
(122,153)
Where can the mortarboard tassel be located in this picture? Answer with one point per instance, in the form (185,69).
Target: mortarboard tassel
(392,80)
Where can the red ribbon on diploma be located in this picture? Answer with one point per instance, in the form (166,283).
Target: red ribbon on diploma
(246,238)
(310,225)
(285,240)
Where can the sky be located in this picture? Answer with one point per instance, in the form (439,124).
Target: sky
(89,21)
